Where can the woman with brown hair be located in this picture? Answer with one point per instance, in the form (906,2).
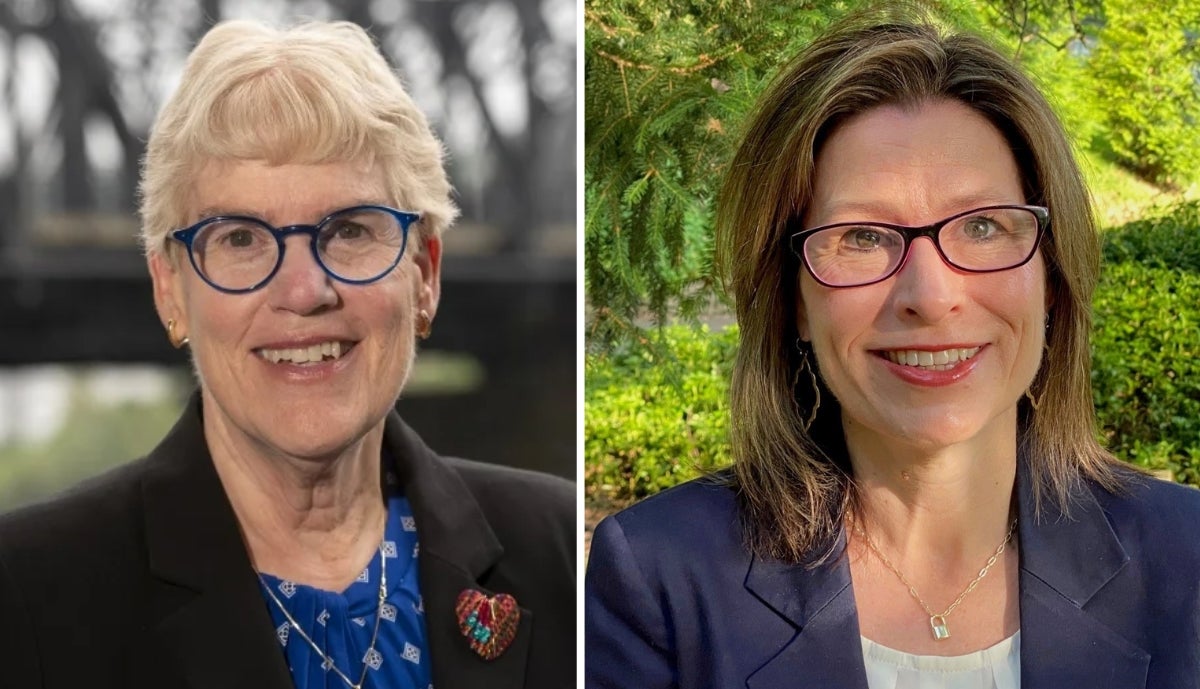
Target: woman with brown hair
(918,498)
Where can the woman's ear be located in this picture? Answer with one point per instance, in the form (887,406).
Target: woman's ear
(169,300)
(428,259)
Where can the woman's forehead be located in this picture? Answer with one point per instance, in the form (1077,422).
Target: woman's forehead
(288,193)
(912,165)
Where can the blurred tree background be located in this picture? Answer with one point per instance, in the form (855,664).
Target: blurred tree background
(667,86)
(86,376)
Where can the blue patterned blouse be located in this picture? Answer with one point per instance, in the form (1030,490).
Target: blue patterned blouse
(342,623)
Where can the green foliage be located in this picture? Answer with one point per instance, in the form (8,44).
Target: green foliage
(1170,241)
(1120,196)
(667,85)
(1121,73)
(1144,69)
(1145,346)
(657,417)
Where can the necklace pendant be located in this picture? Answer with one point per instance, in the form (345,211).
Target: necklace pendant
(938,623)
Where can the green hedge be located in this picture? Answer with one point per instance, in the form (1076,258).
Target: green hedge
(658,416)
(1170,241)
(1146,343)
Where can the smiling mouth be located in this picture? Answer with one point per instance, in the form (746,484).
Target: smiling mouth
(312,354)
(942,360)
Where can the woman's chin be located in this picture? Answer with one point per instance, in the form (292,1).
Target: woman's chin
(934,431)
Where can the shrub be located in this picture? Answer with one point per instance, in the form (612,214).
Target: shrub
(1170,241)
(657,415)
(1146,343)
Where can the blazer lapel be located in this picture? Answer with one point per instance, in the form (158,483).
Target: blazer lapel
(457,548)
(1064,563)
(209,622)
(827,649)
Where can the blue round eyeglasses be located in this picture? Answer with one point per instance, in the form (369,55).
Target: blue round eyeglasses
(238,254)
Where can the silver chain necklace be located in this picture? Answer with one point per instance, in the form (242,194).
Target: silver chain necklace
(938,622)
(327,661)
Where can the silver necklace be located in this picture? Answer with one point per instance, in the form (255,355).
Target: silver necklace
(937,623)
(327,661)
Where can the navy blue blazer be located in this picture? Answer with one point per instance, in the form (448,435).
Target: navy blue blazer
(1108,598)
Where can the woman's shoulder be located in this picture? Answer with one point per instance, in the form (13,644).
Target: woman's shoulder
(514,487)
(1155,516)
(90,512)
(708,498)
(1149,498)
(700,516)
(506,476)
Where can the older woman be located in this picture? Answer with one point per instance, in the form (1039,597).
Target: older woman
(291,530)
(918,498)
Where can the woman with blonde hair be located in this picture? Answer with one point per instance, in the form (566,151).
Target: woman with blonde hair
(918,498)
(291,530)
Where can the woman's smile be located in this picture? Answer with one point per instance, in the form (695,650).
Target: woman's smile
(931,367)
(311,360)
(327,350)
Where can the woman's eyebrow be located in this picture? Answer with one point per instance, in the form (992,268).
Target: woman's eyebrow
(884,211)
(215,211)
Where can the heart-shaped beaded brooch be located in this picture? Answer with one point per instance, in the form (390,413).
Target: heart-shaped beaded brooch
(488,622)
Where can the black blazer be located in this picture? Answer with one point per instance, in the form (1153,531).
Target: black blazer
(140,578)
(1109,597)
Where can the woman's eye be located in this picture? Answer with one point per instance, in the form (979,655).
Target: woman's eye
(863,238)
(240,238)
(348,230)
(980,228)
(237,238)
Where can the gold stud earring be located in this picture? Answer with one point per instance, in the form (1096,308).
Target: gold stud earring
(424,325)
(176,341)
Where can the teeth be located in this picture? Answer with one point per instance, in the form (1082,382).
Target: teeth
(939,361)
(303,355)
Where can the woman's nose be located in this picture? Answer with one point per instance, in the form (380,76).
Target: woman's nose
(927,288)
(301,285)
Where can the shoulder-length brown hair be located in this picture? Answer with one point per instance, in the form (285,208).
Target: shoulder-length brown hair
(795,486)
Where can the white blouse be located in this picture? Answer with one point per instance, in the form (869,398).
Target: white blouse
(998,667)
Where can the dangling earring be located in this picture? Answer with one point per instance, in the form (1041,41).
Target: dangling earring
(176,341)
(1035,400)
(812,377)
(424,325)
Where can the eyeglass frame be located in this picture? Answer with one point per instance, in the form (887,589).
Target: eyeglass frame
(911,234)
(187,236)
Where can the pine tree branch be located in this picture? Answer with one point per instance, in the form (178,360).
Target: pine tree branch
(703,62)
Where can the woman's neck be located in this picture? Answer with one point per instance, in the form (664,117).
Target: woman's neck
(949,504)
(315,521)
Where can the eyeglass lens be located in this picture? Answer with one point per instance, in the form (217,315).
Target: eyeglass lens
(359,244)
(855,254)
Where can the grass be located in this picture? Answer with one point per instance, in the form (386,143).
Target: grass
(1121,197)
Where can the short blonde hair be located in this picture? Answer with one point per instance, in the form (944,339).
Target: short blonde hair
(318,92)
(796,485)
